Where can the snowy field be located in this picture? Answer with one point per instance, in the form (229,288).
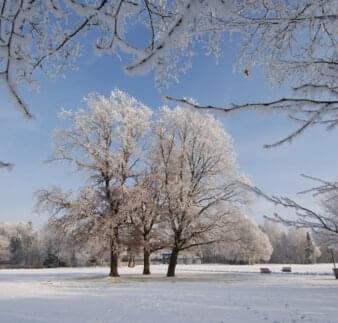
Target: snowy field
(199,293)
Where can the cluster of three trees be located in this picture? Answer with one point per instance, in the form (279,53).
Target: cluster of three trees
(169,181)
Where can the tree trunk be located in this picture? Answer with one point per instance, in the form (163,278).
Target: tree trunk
(114,263)
(146,261)
(172,262)
(114,254)
(131,262)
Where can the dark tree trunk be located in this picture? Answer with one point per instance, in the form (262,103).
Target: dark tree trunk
(172,262)
(114,264)
(114,254)
(146,261)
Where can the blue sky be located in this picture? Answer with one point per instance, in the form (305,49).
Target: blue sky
(28,143)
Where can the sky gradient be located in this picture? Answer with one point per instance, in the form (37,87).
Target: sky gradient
(28,143)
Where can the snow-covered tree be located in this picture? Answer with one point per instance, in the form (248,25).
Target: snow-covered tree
(291,246)
(198,176)
(16,251)
(253,245)
(19,245)
(244,244)
(4,244)
(56,246)
(300,247)
(279,241)
(103,142)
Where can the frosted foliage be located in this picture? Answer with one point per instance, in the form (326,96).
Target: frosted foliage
(245,243)
(105,135)
(74,217)
(299,36)
(200,134)
(19,244)
(295,42)
(49,35)
(254,245)
(291,246)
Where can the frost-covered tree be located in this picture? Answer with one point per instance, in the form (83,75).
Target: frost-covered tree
(57,247)
(244,244)
(19,245)
(278,239)
(253,245)
(291,246)
(300,247)
(30,244)
(102,142)
(4,252)
(198,176)
(4,244)
(16,251)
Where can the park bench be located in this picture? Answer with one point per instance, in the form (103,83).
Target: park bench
(286,269)
(265,271)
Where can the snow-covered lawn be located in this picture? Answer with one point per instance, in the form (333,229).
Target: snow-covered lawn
(199,293)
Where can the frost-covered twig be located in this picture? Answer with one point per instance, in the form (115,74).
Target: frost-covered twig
(48,35)
(325,220)
(307,112)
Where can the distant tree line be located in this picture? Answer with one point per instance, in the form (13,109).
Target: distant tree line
(292,245)
(270,243)
(22,246)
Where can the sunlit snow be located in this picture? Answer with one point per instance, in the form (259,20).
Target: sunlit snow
(199,293)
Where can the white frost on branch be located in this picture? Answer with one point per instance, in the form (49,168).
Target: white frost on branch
(49,35)
(296,44)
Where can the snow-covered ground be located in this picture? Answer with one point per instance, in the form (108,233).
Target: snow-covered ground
(199,293)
